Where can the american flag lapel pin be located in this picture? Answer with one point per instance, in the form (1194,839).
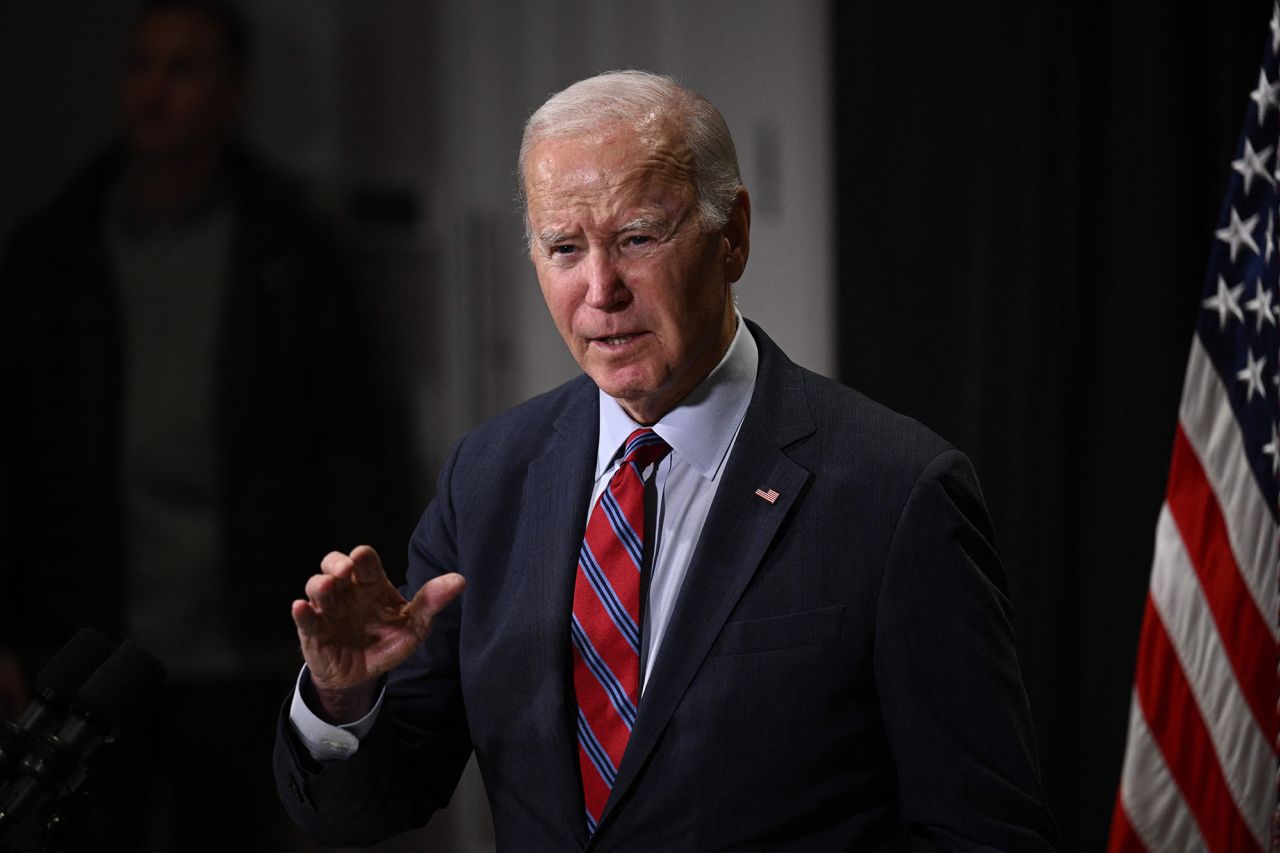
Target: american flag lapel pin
(771,496)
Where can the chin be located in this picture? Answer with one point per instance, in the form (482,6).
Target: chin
(615,379)
(625,394)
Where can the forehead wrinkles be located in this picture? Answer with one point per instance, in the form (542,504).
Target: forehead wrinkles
(596,175)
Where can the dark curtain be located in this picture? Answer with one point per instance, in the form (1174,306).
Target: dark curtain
(1027,195)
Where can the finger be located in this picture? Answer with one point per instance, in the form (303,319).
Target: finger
(442,590)
(337,564)
(323,590)
(304,617)
(433,597)
(366,564)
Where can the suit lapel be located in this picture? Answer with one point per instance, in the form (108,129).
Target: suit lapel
(555,499)
(739,528)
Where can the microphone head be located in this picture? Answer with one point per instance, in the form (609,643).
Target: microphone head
(119,690)
(73,664)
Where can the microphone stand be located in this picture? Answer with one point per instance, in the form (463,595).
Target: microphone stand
(55,766)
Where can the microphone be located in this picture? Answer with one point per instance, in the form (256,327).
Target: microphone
(55,685)
(115,694)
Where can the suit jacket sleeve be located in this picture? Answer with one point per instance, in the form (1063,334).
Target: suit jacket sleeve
(409,764)
(955,711)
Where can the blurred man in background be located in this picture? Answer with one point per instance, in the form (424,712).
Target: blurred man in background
(178,327)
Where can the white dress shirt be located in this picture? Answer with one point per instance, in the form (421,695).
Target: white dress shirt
(701,430)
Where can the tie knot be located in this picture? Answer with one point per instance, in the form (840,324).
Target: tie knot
(644,447)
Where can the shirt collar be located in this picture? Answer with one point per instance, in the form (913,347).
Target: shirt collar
(701,427)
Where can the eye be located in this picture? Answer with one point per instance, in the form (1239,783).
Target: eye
(563,249)
(633,240)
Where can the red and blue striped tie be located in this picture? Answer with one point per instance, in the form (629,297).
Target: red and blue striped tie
(606,622)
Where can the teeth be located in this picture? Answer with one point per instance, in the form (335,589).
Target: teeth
(617,339)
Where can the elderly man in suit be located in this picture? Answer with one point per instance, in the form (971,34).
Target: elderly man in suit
(713,600)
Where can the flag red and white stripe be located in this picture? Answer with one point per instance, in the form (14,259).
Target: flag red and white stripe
(1200,767)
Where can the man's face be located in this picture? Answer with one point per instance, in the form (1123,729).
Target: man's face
(180,91)
(639,292)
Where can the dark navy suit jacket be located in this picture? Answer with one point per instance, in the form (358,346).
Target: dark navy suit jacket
(839,671)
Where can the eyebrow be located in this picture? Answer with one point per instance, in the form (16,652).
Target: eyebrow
(646,223)
(547,238)
(661,224)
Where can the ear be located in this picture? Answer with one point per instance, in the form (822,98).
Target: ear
(737,236)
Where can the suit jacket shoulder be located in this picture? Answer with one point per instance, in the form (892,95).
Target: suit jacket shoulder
(527,430)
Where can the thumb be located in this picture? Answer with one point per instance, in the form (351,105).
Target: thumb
(434,596)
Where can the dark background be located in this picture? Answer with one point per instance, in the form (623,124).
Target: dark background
(1027,195)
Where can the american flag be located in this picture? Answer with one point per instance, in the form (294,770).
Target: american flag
(1200,767)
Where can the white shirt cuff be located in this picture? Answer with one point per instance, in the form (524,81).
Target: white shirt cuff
(325,741)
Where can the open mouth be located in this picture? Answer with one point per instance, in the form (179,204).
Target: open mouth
(616,342)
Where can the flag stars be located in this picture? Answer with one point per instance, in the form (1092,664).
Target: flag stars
(1271,225)
(1272,449)
(1261,307)
(1275,29)
(1266,96)
(1253,164)
(1251,373)
(1239,232)
(1226,301)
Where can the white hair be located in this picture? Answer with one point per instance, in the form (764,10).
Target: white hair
(642,98)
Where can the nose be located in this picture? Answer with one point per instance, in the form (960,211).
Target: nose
(606,288)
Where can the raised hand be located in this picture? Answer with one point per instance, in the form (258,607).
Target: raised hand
(354,626)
